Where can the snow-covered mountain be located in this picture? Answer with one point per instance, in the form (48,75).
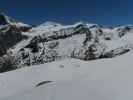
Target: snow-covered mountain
(4,20)
(51,41)
(10,32)
(60,59)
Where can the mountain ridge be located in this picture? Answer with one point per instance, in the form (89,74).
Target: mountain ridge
(51,41)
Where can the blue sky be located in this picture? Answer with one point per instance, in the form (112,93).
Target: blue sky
(103,12)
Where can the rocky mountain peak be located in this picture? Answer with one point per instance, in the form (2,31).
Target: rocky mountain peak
(3,19)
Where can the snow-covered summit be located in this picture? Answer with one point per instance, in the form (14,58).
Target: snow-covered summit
(6,20)
(50,23)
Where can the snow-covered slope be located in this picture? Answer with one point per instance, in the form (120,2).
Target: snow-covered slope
(71,79)
(52,41)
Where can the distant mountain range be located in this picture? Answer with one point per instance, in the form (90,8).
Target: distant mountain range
(25,45)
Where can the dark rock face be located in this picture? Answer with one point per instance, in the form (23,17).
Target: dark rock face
(3,20)
(24,29)
(10,38)
(115,52)
(10,33)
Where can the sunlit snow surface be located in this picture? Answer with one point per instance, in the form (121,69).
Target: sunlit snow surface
(107,79)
